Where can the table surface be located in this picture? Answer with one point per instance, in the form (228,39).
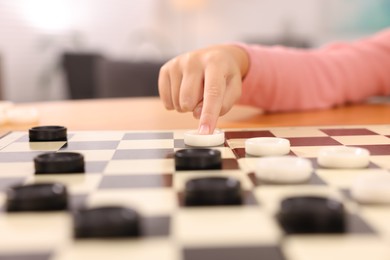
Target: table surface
(149,114)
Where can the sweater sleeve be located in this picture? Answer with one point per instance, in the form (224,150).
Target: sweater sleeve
(286,79)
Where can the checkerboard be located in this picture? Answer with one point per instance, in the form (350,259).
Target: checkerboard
(136,169)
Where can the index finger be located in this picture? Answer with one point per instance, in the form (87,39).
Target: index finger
(214,91)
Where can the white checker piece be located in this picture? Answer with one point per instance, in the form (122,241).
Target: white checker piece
(192,138)
(267,146)
(343,157)
(283,169)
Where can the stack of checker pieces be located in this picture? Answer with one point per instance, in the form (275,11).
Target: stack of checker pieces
(137,170)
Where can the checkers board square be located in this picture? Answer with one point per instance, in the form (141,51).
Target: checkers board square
(247,134)
(347,131)
(127,154)
(312,141)
(136,181)
(147,201)
(95,167)
(233,253)
(148,136)
(8,157)
(156,226)
(27,256)
(91,145)
(379,149)
(7,182)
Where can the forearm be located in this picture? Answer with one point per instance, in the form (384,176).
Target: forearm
(285,79)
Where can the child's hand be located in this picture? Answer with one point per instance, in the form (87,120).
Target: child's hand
(206,82)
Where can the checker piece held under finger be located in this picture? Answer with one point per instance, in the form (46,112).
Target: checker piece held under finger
(192,138)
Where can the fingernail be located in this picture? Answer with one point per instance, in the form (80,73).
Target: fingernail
(204,130)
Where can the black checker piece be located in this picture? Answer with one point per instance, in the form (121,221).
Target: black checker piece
(63,162)
(311,214)
(48,134)
(106,222)
(37,197)
(212,191)
(198,159)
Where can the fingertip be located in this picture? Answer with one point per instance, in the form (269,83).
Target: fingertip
(204,129)
(207,124)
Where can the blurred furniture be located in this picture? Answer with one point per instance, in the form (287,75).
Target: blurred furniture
(80,74)
(94,76)
(126,78)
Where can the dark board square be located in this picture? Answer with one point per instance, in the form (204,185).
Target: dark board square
(233,253)
(78,201)
(18,156)
(347,131)
(6,183)
(230,164)
(95,167)
(376,149)
(26,256)
(156,226)
(247,134)
(148,136)
(131,154)
(312,141)
(357,225)
(179,143)
(91,145)
(136,181)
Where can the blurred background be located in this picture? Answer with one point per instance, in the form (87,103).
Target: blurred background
(76,49)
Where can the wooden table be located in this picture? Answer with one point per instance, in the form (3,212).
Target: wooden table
(149,114)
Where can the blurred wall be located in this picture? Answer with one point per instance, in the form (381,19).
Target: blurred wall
(34,33)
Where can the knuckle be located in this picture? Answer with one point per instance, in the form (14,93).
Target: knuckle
(214,90)
(190,62)
(214,57)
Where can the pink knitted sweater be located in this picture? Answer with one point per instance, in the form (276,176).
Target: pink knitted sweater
(286,79)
